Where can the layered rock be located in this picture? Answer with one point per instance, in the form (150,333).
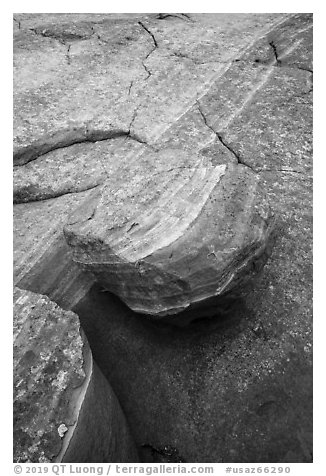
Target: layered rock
(64,409)
(42,261)
(237,389)
(94,94)
(79,418)
(173,231)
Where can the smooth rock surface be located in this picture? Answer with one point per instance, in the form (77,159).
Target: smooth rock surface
(64,409)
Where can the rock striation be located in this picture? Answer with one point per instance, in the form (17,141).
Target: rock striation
(218,98)
(173,231)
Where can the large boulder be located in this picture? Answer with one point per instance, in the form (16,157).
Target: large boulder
(93,94)
(176,230)
(64,408)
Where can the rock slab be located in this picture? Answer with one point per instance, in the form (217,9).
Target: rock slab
(64,409)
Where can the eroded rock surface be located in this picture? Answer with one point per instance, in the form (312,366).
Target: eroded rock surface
(173,230)
(95,95)
(64,409)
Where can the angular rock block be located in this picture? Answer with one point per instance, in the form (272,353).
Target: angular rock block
(64,408)
(173,233)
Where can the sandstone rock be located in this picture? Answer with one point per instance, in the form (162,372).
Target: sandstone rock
(49,344)
(78,78)
(64,409)
(174,231)
(42,262)
(237,389)
(65,138)
(93,95)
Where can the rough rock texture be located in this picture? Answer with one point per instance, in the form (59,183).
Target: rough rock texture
(64,409)
(143,242)
(41,259)
(173,230)
(228,88)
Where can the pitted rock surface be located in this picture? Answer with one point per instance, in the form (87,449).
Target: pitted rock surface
(48,370)
(56,387)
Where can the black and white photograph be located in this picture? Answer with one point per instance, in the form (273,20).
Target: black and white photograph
(162,240)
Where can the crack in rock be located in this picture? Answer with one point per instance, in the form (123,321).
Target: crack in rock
(63,42)
(129,89)
(68,54)
(61,194)
(98,36)
(272,45)
(17,21)
(148,71)
(305,69)
(44,35)
(64,39)
(181,16)
(133,118)
(149,32)
(222,140)
(279,62)
(188,17)
(34,151)
(134,135)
